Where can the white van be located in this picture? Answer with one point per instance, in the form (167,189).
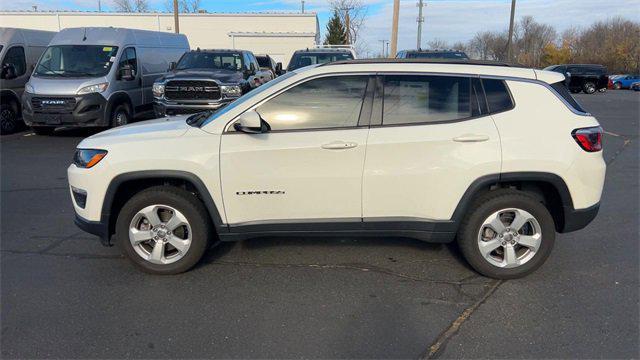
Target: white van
(20,49)
(98,77)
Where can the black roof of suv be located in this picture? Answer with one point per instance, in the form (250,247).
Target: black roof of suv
(432,54)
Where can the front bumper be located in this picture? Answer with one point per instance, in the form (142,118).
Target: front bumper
(98,228)
(75,110)
(164,107)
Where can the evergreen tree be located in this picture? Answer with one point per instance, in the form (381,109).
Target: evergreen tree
(336,32)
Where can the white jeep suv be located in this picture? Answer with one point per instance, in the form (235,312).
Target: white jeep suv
(498,158)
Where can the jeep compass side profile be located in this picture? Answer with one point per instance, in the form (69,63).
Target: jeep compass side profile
(497,158)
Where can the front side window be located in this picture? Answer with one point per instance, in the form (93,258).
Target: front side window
(206,60)
(129,58)
(328,102)
(410,99)
(76,60)
(498,96)
(15,57)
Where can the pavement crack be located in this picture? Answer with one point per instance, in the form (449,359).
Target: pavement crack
(57,243)
(441,341)
(625,144)
(69,255)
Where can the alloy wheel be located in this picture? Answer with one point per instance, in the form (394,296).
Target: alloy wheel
(509,238)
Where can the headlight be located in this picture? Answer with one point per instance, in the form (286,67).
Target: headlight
(28,88)
(97,88)
(87,158)
(231,90)
(158,89)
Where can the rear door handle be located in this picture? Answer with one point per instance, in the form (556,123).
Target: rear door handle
(471,138)
(338,145)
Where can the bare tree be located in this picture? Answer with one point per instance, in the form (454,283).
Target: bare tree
(131,5)
(437,44)
(184,6)
(530,39)
(357,15)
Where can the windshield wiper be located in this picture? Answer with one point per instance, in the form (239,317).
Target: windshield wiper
(197,119)
(54,72)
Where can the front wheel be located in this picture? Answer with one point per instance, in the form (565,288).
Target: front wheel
(163,230)
(9,121)
(120,115)
(507,234)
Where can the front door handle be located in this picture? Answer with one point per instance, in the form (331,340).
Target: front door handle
(471,138)
(338,145)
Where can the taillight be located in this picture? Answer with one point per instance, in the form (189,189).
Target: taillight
(589,139)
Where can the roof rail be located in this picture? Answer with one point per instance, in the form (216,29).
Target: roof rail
(322,46)
(425,61)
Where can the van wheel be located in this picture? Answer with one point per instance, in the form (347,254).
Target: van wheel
(589,87)
(507,234)
(9,122)
(43,130)
(120,115)
(163,230)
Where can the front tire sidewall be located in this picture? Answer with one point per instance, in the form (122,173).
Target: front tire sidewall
(9,119)
(589,88)
(120,116)
(181,200)
(468,235)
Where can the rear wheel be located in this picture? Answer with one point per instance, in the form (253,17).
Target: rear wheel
(163,230)
(617,86)
(589,87)
(507,234)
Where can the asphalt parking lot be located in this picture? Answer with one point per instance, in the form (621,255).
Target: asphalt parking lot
(64,295)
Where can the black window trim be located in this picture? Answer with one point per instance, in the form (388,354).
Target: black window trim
(361,124)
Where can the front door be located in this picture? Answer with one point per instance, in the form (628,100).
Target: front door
(308,168)
(133,87)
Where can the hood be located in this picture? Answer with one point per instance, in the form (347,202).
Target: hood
(222,76)
(61,85)
(164,128)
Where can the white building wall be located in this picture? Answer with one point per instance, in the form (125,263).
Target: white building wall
(276,34)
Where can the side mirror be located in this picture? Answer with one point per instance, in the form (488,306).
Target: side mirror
(8,72)
(172,66)
(251,123)
(279,69)
(126,73)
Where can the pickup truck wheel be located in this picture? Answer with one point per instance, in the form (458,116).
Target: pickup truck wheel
(163,230)
(589,87)
(507,234)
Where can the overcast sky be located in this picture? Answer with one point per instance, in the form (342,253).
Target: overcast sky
(448,20)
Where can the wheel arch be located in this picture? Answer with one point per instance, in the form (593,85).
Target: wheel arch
(117,99)
(123,186)
(549,188)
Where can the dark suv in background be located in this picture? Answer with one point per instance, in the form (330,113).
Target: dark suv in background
(432,54)
(267,63)
(207,80)
(583,77)
(320,55)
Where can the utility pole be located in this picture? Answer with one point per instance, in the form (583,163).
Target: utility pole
(347,23)
(394,27)
(99,6)
(509,46)
(303,6)
(176,22)
(420,5)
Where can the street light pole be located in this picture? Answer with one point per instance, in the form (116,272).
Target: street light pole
(509,45)
(394,27)
(175,16)
(420,5)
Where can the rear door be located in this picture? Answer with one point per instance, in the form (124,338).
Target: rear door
(308,168)
(430,138)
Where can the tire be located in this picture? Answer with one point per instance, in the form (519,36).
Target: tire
(589,87)
(43,130)
(193,237)
(121,115)
(617,86)
(9,120)
(473,232)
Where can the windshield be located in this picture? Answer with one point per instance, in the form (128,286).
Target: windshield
(76,60)
(207,60)
(305,59)
(248,96)
(437,55)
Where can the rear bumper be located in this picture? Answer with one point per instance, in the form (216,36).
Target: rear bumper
(578,219)
(98,228)
(87,110)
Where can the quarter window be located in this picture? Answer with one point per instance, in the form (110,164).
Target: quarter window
(427,99)
(15,57)
(498,97)
(327,102)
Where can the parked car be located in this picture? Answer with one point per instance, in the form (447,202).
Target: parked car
(449,155)
(19,51)
(98,77)
(266,62)
(624,81)
(635,86)
(582,77)
(207,80)
(320,55)
(432,54)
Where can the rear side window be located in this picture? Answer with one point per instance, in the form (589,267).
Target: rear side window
(498,96)
(562,90)
(410,99)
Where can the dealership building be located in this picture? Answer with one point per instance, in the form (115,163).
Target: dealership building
(278,34)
